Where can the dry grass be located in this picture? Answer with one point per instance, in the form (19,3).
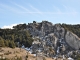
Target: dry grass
(12,53)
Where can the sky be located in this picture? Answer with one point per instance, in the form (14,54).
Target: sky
(14,12)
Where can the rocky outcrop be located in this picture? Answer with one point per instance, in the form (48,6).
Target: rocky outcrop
(52,38)
(59,31)
(72,40)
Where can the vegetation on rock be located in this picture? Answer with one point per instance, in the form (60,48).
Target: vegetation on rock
(73,28)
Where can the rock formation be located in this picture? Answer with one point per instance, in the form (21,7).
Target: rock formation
(72,40)
(51,38)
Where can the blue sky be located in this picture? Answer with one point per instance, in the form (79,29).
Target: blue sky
(25,11)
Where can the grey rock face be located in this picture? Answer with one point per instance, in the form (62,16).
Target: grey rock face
(53,39)
(72,40)
(59,31)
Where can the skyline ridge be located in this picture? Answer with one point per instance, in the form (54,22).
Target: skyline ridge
(11,25)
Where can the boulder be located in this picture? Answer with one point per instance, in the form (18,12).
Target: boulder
(72,40)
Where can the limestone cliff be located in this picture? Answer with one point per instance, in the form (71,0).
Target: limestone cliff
(51,37)
(72,40)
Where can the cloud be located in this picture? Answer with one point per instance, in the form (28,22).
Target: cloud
(27,10)
(56,9)
(35,9)
(22,7)
(9,8)
(65,7)
(67,11)
(30,9)
(9,26)
(70,10)
(61,13)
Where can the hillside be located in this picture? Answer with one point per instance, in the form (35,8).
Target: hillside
(53,40)
(15,37)
(44,39)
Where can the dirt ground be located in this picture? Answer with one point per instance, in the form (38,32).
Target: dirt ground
(13,53)
(18,52)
